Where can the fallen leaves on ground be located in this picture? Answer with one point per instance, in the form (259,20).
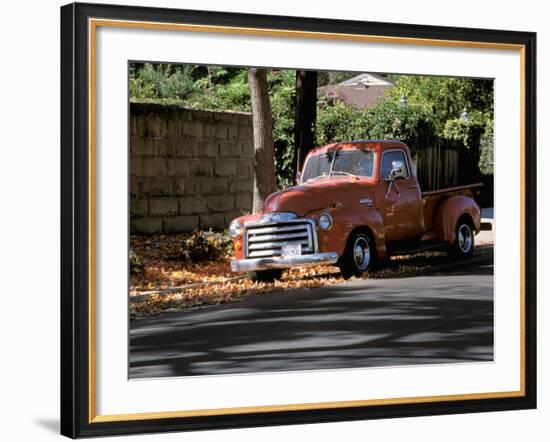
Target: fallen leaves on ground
(161,271)
(163,266)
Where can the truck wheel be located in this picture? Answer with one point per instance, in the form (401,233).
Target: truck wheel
(463,246)
(265,275)
(358,258)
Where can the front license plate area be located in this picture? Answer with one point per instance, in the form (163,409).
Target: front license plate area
(291,250)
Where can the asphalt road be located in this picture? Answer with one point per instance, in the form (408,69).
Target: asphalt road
(433,318)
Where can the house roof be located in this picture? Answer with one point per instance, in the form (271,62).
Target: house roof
(361,91)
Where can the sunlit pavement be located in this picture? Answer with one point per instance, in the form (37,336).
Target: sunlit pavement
(434,318)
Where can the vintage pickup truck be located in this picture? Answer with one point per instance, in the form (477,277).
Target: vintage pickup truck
(356,203)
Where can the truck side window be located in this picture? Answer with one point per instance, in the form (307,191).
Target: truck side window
(387,159)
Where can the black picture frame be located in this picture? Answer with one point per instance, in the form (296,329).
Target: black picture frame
(76,418)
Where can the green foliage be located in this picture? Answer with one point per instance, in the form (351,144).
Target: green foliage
(386,120)
(486,149)
(467,131)
(162,81)
(444,98)
(339,123)
(222,90)
(282,96)
(411,124)
(433,109)
(475,132)
(206,246)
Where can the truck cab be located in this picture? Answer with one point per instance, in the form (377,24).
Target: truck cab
(356,203)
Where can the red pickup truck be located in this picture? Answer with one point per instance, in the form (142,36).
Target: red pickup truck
(356,203)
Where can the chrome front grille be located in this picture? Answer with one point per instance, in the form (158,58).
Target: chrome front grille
(266,240)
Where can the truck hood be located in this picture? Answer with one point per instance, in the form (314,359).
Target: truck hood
(310,197)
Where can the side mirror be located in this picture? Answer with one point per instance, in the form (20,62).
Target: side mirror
(397,170)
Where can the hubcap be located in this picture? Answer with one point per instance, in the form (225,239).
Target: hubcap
(361,253)
(465,238)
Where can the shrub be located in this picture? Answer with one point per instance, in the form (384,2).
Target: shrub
(339,122)
(486,146)
(467,131)
(136,264)
(411,124)
(282,96)
(206,246)
(161,81)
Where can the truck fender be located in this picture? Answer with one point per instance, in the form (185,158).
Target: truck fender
(346,220)
(450,210)
(375,222)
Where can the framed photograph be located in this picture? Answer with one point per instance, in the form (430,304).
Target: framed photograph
(276,220)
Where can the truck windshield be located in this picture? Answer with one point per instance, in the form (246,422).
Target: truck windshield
(347,162)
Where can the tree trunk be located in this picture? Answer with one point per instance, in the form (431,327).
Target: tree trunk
(264,152)
(305,116)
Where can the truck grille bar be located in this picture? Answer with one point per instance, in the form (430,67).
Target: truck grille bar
(267,240)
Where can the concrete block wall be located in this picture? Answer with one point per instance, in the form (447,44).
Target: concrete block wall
(189,169)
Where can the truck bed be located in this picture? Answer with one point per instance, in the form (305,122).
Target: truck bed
(467,189)
(432,198)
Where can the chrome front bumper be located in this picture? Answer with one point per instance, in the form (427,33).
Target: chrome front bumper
(283,262)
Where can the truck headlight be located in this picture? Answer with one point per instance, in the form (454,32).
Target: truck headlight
(325,221)
(235,228)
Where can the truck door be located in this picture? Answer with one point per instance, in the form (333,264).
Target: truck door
(402,200)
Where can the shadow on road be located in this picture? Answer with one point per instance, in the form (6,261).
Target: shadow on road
(435,318)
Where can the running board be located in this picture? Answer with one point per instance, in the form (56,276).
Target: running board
(416,248)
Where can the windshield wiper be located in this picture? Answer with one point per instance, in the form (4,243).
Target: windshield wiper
(324,175)
(343,173)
